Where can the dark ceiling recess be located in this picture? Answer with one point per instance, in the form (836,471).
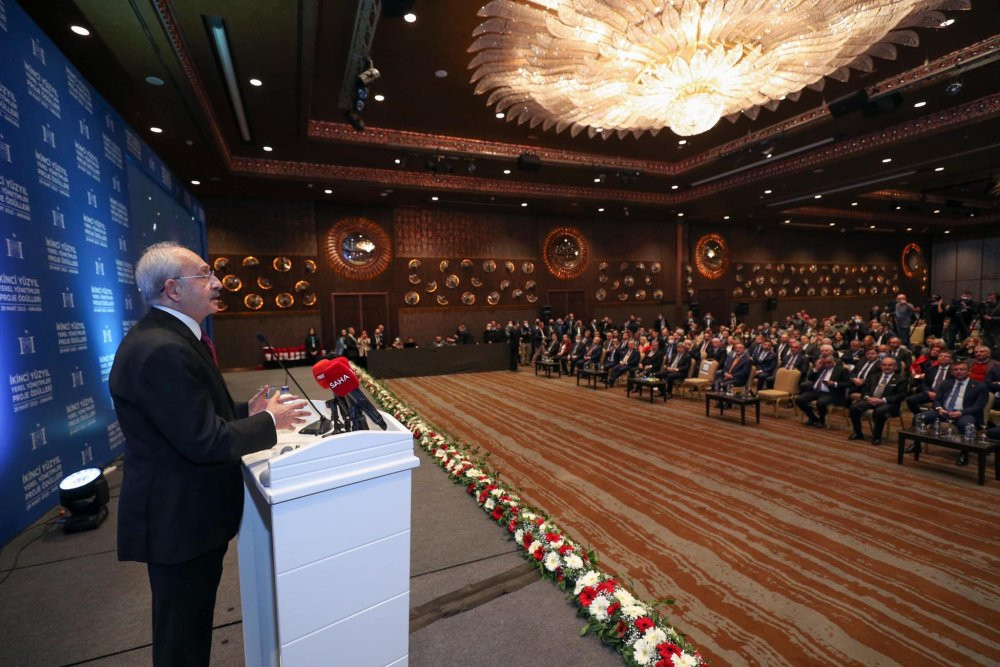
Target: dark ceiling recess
(219,39)
(894,129)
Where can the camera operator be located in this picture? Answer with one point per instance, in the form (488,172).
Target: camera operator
(935,312)
(965,311)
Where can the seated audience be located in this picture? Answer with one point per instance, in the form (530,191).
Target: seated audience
(961,401)
(931,382)
(651,361)
(735,371)
(825,385)
(626,363)
(677,368)
(766,362)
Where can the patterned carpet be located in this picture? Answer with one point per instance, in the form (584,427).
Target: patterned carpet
(782,545)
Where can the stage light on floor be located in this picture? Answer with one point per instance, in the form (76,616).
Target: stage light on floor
(85,496)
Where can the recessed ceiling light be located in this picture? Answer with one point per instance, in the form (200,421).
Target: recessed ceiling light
(899,208)
(195,182)
(817,196)
(871,226)
(434,198)
(600,210)
(256,83)
(854,203)
(441,73)
(397,160)
(767,192)
(909,229)
(506,172)
(947,231)
(725,217)
(833,224)
(937,210)
(524,203)
(380,98)
(154,80)
(682,142)
(787,221)
(674,187)
(597,180)
(599,130)
(947,22)
(767,156)
(501,114)
(921,103)
(156,130)
(328,191)
(80,30)
(680,215)
(267,149)
(886,160)
(410,17)
(938,168)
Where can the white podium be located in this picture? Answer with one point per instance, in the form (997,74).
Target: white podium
(324,549)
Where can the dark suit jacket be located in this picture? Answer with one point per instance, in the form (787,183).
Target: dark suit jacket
(652,360)
(801,363)
(740,372)
(768,366)
(182,490)
(894,391)
(973,403)
(683,365)
(839,383)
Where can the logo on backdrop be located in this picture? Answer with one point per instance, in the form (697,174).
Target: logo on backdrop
(5,151)
(40,90)
(103,299)
(68,300)
(14,248)
(115,436)
(98,267)
(14,198)
(87,162)
(26,343)
(38,437)
(52,175)
(58,218)
(8,106)
(94,231)
(79,90)
(19,294)
(48,136)
(29,389)
(84,129)
(125,272)
(71,337)
(76,378)
(62,256)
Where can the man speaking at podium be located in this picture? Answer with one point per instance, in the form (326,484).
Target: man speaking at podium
(182,491)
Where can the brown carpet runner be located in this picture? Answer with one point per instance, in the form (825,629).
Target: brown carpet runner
(783,545)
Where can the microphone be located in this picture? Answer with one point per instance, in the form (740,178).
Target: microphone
(338,376)
(322,425)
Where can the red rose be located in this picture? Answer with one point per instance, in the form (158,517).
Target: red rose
(539,553)
(472,487)
(621,628)
(559,574)
(553,537)
(512,526)
(481,477)
(504,498)
(527,539)
(587,596)
(643,623)
(483,495)
(432,434)
(614,608)
(607,586)
(565,549)
(663,662)
(539,521)
(497,513)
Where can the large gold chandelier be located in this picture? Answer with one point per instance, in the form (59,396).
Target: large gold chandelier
(630,66)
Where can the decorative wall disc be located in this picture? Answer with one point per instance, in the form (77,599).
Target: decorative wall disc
(282,264)
(358,249)
(640,295)
(452,281)
(489,266)
(528,267)
(476,282)
(250,260)
(509,265)
(264,283)
(431,287)
(301,286)
(468,298)
(912,260)
(655,267)
(413,264)
(466,263)
(517,293)
(310,266)
(443,265)
(712,257)
(601,295)
(442,300)
(253,301)
(284,300)
(504,284)
(414,279)
(232,283)
(309,299)
(221,263)
(493,298)
(566,252)
(531,298)
(658,295)
(411,298)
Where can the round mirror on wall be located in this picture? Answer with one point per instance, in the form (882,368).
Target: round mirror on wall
(566,252)
(358,249)
(712,256)
(912,260)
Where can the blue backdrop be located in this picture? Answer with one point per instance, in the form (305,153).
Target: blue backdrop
(80,196)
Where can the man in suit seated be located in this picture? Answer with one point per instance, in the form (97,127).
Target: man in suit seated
(766,362)
(868,364)
(625,364)
(677,368)
(592,357)
(882,394)
(735,371)
(794,359)
(935,376)
(853,354)
(576,354)
(902,356)
(961,401)
(826,384)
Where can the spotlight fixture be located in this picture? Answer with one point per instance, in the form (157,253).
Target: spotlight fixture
(256,83)
(195,182)
(380,98)
(954,87)
(85,496)
(156,130)
(80,30)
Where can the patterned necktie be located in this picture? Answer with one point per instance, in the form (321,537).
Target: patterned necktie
(819,380)
(953,398)
(942,371)
(210,346)
(791,362)
(881,386)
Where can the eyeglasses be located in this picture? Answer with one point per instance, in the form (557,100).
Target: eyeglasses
(206,276)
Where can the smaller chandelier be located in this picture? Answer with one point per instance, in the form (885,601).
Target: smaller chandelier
(631,66)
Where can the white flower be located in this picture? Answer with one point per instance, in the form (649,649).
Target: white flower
(472,473)
(552,561)
(633,611)
(440,454)
(534,547)
(518,535)
(489,504)
(496,493)
(528,516)
(684,660)
(655,636)
(599,608)
(542,525)
(643,652)
(590,578)
(624,597)
(573,561)
(555,545)
(450,464)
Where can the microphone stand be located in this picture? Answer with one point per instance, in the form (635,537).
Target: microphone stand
(322,425)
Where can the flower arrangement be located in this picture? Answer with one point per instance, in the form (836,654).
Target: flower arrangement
(633,628)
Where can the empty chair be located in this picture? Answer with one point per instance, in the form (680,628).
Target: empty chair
(706,374)
(786,388)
